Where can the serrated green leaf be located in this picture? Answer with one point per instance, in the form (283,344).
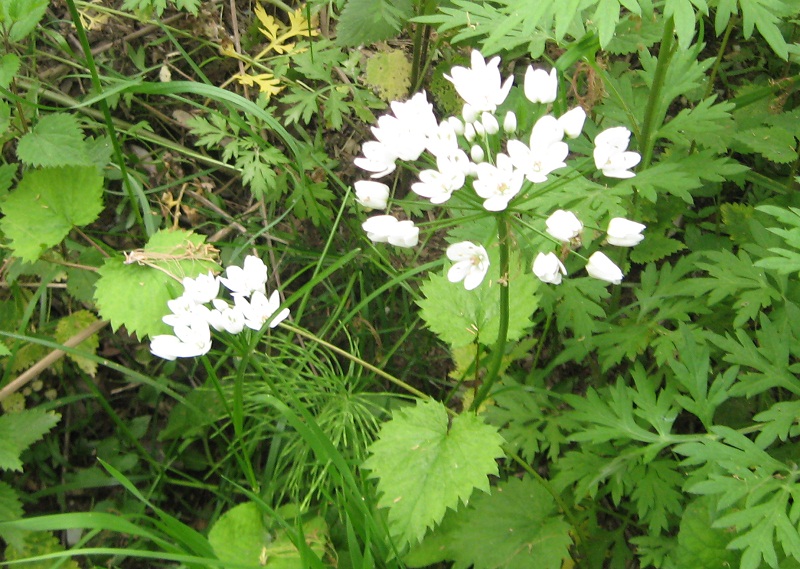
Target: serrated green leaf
(709,125)
(9,65)
(517,526)
(460,317)
(7,173)
(579,308)
(368,21)
(773,143)
(20,430)
(38,543)
(425,467)
(21,16)
(135,296)
(70,325)
(735,218)
(654,248)
(47,204)
(10,509)
(56,140)
(701,546)
(390,73)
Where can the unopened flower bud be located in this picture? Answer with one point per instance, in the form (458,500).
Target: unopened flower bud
(510,122)
(469,113)
(476,153)
(479,130)
(469,132)
(572,122)
(602,268)
(489,123)
(458,126)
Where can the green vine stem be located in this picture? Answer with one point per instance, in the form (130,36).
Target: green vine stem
(493,371)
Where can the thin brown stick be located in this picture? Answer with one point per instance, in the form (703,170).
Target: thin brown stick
(37,368)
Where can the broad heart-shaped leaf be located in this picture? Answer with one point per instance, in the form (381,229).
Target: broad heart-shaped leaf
(423,467)
(239,537)
(56,140)
(71,325)
(47,204)
(701,546)
(20,430)
(460,317)
(516,527)
(135,295)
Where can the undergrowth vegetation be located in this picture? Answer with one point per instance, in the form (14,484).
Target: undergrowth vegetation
(373,283)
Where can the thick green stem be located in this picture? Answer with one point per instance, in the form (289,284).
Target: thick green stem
(649,124)
(493,372)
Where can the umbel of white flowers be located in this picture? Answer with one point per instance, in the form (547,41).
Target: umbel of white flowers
(192,319)
(412,129)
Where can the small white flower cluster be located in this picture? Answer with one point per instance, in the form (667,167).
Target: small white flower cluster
(458,147)
(191,319)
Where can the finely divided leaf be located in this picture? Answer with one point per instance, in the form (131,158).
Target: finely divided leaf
(47,204)
(425,466)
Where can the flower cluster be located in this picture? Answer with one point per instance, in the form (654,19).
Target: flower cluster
(192,319)
(481,150)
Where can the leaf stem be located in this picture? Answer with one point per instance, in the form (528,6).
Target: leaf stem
(499,349)
(665,52)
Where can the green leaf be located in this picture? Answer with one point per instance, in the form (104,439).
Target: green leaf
(20,17)
(47,204)
(258,170)
(707,125)
(239,535)
(517,526)
(460,317)
(10,509)
(773,143)
(70,325)
(655,248)
(9,65)
(700,545)
(424,466)
(135,295)
(56,140)
(38,543)
(20,430)
(579,309)
(683,14)
(368,21)
(390,73)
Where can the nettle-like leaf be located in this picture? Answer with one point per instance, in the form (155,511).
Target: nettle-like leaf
(10,509)
(425,465)
(772,142)
(517,526)
(460,317)
(34,544)
(700,545)
(134,293)
(240,537)
(390,73)
(368,21)
(20,430)
(56,140)
(73,324)
(47,204)
(20,17)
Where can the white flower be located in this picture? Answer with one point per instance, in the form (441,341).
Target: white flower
(540,86)
(480,85)
(476,153)
(603,268)
(404,234)
(377,159)
(190,339)
(405,139)
(546,131)
(610,154)
(498,184)
(471,264)
(469,132)
(572,122)
(490,124)
(538,161)
(260,309)
(225,317)
(548,268)
(202,288)
(443,140)
(439,185)
(458,126)
(373,195)
(564,225)
(388,229)
(624,233)
(245,280)
(510,122)
(469,113)
(184,310)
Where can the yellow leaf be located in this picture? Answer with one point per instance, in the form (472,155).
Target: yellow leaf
(299,26)
(270,28)
(266,82)
(70,325)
